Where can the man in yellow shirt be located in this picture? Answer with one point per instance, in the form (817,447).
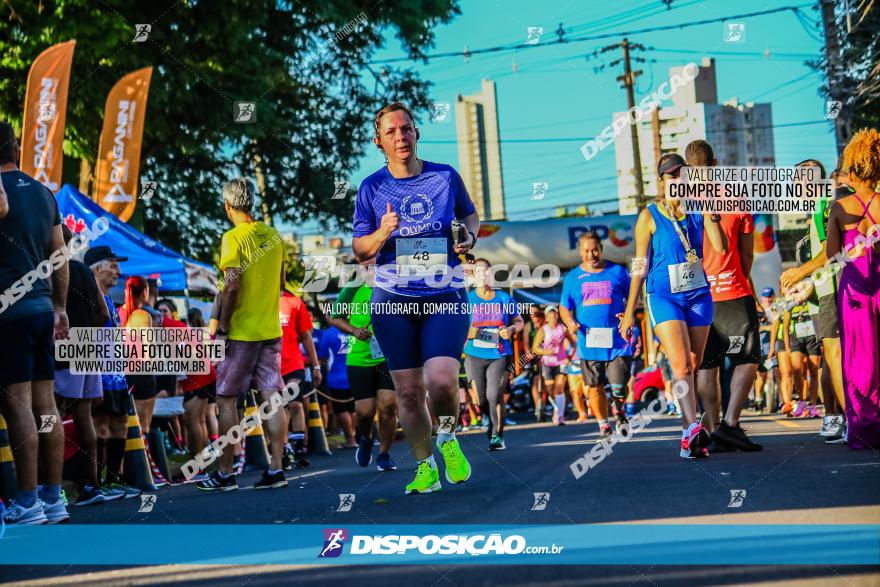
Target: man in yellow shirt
(250,258)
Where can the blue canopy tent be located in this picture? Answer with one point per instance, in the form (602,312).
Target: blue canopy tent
(146,257)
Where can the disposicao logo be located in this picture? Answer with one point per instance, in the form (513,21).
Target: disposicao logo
(334,540)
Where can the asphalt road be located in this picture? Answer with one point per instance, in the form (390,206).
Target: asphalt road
(796,479)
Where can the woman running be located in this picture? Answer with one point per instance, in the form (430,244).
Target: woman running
(549,345)
(404,216)
(852,219)
(576,381)
(488,351)
(143,386)
(669,246)
(805,357)
(539,395)
(780,349)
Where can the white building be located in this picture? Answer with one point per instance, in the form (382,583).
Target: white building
(740,134)
(479,150)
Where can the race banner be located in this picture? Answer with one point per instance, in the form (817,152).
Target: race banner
(45,112)
(119,152)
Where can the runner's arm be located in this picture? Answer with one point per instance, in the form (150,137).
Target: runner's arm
(309,343)
(229,298)
(833,240)
(791,276)
(101,314)
(568,319)
(472,223)
(536,344)
(342,324)
(786,335)
(644,230)
(717,238)
(60,279)
(774,332)
(747,253)
(4,202)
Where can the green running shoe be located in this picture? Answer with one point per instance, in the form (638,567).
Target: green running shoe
(458,469)
(427,480)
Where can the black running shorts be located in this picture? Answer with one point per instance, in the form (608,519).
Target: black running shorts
(734,333)
(825,321)
(365,382)
(27,349)
(601,373)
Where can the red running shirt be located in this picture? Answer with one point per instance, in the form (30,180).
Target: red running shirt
(724,272)
(295,319)
(194,381)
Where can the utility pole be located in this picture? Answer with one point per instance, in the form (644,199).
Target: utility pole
(628,79)
(835,73)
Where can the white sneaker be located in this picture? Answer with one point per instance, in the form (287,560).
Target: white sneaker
(826,424)
(56,512)
(838,438)
(835,426)
(22,516)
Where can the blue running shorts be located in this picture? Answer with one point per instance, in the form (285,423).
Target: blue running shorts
(696,310)
(411,330)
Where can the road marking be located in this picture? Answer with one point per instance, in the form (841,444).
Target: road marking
(788,424)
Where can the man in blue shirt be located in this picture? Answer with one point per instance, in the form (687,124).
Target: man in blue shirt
(594,297)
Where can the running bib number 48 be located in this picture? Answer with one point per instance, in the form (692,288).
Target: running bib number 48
(685,277)
(421,252)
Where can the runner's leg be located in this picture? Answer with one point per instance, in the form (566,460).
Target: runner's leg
(82,418)
(414,416)
(740,384)
(831,352)
(51,442)
(812,366)
(576,384)
(559,403)
(496,383)
(387,406)
(673,335)
(785,380)
(23,438)
(477,372)
(797,359)
(709,389)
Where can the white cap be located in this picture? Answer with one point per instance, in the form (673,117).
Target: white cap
(551,308)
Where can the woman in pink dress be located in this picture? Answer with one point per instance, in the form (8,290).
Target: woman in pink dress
(853,228)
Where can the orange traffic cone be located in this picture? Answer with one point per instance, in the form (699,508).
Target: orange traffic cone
(136,468)
(7,465)
(317,438)
(256,454)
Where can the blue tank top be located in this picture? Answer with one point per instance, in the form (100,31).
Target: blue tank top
(666,249)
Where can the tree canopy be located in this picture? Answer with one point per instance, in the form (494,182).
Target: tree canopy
(302,63)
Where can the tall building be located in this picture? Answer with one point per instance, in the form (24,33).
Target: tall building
(740,134)
(479,150)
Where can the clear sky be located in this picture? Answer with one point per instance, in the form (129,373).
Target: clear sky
(555,96)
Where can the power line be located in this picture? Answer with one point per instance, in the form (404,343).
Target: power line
(746,53)
(783,85)
(522,46)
